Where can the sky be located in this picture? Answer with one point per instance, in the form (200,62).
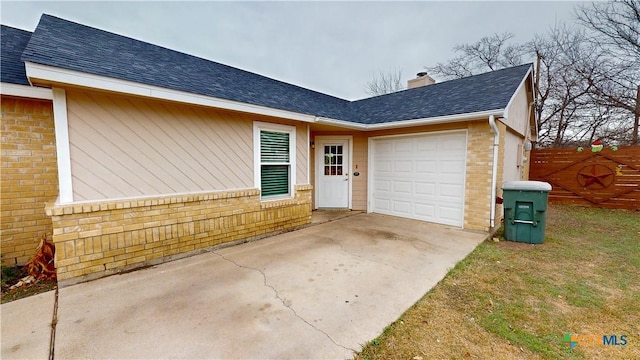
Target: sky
(331,47)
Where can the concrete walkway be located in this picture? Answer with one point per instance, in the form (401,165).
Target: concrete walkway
(319,292)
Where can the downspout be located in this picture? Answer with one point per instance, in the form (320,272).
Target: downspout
(494,167)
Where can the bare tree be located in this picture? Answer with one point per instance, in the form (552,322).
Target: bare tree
(487,54)
(616,80)
(617,23)
(562,95)
(582,91)
(385,83)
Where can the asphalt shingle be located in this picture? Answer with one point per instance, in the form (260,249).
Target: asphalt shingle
(483,92)
(65,44)
(68,45)
(12,43)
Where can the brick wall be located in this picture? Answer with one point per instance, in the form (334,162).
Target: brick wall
(478,177)
(29,176)
(97,239)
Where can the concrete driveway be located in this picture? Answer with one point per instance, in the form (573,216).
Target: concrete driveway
(319,292)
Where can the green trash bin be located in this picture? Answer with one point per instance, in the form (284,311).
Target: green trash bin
(525,210)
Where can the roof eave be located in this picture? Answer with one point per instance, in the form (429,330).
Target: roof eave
(413,122)
(515,93)
(39,73)
(26,91)
(340,123)
(437,120)
(528,77)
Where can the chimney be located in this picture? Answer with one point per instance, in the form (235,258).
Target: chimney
(422,79)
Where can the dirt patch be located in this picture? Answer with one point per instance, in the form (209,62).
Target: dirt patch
(37,276)
(11,276)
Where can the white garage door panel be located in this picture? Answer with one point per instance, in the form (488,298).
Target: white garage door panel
(425,210)
(403,207)
(420,177)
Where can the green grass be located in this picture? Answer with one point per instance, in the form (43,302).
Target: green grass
(511,299)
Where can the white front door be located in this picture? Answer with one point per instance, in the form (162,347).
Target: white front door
(332,173)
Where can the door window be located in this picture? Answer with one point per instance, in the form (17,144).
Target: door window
(333,160)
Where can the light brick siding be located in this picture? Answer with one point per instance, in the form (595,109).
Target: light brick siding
(29,176)
(102,238)
(478,178)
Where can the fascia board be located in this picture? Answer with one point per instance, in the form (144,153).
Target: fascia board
(77,78)
(340,123)
(26,91)
(410,123)
(513,96)
(436,120)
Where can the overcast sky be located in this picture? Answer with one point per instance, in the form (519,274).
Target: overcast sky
(331,47)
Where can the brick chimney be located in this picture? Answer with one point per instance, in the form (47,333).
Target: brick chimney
(422,79)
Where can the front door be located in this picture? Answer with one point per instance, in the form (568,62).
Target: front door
(332,160)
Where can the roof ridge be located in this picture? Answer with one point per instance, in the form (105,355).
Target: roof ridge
(15,28)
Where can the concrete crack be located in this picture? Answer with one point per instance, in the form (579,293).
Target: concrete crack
(284,303)
(54,323)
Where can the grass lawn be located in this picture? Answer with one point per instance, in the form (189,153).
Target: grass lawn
(513,300)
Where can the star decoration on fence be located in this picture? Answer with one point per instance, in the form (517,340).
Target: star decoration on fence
(596,175)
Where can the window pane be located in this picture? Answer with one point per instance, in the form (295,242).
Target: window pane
(274,147)
(274,180)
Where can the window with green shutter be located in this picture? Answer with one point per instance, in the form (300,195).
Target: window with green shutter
(275,157)
(274,163)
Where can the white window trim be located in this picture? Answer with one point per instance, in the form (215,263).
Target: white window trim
(291,130)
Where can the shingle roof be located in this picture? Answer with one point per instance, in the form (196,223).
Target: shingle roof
(65,44)
(13,42)
(483,92)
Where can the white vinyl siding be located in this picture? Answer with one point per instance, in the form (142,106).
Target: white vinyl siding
(127,147)
(275,155)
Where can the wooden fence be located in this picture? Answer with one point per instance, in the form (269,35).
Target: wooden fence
(607,179)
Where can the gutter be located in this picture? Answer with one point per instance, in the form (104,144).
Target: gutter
(408,123)
(494,168)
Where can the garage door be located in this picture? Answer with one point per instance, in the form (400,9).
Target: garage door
(420,177)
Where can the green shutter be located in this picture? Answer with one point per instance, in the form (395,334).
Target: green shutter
(275,180)
(274,147)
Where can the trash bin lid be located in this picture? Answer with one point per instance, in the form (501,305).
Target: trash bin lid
(526,185)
